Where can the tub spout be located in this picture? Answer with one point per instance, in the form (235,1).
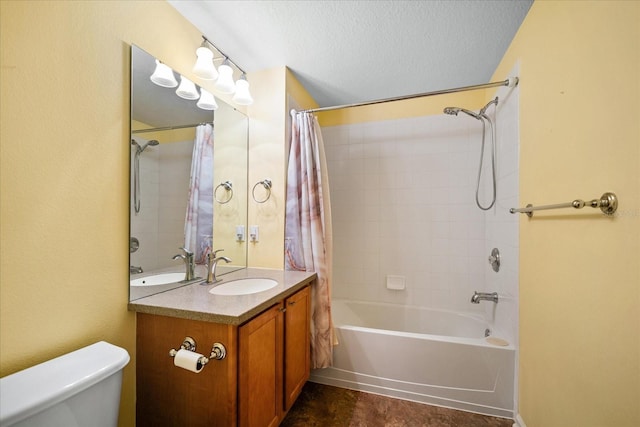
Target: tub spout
(484,296)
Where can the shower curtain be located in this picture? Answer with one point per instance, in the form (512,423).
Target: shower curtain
(308,228)
(198,224)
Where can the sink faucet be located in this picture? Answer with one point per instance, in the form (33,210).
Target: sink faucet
(212,263)
(484,296)
(188,263)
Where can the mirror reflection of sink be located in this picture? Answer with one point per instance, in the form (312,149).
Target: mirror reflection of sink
(244,286)
(158,279)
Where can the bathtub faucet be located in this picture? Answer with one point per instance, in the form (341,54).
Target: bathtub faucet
(484,296)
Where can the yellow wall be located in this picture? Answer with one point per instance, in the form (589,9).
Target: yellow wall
(64,172)
(579,272)
(230,164)
(266,161)
(268,142)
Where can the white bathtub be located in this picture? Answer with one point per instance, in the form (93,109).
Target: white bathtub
(430,356)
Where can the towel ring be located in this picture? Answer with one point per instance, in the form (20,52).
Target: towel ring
(266,183)
(228,186)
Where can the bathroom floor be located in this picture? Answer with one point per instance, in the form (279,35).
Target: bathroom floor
(326,406)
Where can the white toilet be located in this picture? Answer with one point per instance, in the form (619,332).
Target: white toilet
(81,388)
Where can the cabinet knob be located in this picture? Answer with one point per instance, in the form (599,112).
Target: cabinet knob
(282,309)
(292,302)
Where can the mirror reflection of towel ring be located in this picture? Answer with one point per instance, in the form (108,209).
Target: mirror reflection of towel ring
(266,183)
(228,186)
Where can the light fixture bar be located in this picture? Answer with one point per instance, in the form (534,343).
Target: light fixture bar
(226,57)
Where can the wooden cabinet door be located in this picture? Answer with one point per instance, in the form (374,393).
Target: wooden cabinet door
(297,344)
(260,369)
(169,396)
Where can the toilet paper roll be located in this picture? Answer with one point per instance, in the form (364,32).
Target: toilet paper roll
(188,360)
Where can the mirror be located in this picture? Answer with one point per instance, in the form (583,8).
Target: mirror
(165,128)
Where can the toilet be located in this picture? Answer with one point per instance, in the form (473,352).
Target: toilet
(81,388)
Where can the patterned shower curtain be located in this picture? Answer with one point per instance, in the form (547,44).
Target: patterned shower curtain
(198,224)
(308,228)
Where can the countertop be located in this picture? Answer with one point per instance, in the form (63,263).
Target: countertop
(194,302)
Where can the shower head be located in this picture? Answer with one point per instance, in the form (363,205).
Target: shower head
(140,149)
(152,143)
(453,111)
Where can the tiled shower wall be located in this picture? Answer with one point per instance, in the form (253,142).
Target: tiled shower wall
(403,204)
(501,227)
(164,185)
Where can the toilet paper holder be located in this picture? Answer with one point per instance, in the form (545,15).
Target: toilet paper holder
(218,350)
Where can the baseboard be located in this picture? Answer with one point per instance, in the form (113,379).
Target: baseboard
(519,422)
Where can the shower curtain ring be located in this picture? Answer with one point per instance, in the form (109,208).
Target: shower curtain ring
(266,183)
(228,186)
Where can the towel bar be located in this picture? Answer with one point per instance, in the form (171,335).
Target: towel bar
(608,204)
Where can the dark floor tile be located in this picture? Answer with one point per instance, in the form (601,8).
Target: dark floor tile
(326,406)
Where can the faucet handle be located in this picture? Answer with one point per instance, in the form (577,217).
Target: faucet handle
(186,251)
(215,253)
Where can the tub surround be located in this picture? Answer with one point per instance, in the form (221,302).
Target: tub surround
(194,302)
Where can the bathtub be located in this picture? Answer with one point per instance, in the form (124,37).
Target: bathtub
(431,356)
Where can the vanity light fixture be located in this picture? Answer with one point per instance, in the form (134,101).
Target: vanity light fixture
(225,82)
(204,67)
(242,95)
(187,89)
(163,75)
(207,101)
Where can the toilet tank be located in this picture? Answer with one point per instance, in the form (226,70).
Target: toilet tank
(81,388)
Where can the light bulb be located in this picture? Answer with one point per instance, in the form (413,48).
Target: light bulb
(187,89)
(163,75)
(242,96)
(207,101)
(204,67)
(225,82)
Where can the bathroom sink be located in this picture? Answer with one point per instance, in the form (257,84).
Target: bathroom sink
(244,287)
(158,279)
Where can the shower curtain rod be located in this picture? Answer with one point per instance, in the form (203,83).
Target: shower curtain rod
(511,82)
(171,127)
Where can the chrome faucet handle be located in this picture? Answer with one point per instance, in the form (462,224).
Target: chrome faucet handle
(215,253)
(186,251)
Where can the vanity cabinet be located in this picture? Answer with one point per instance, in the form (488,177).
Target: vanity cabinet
(297,345)
(266,365)
(274,361)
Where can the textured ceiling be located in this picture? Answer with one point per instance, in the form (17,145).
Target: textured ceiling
(352,51)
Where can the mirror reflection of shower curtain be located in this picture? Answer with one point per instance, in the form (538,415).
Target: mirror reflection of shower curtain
(198,224)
